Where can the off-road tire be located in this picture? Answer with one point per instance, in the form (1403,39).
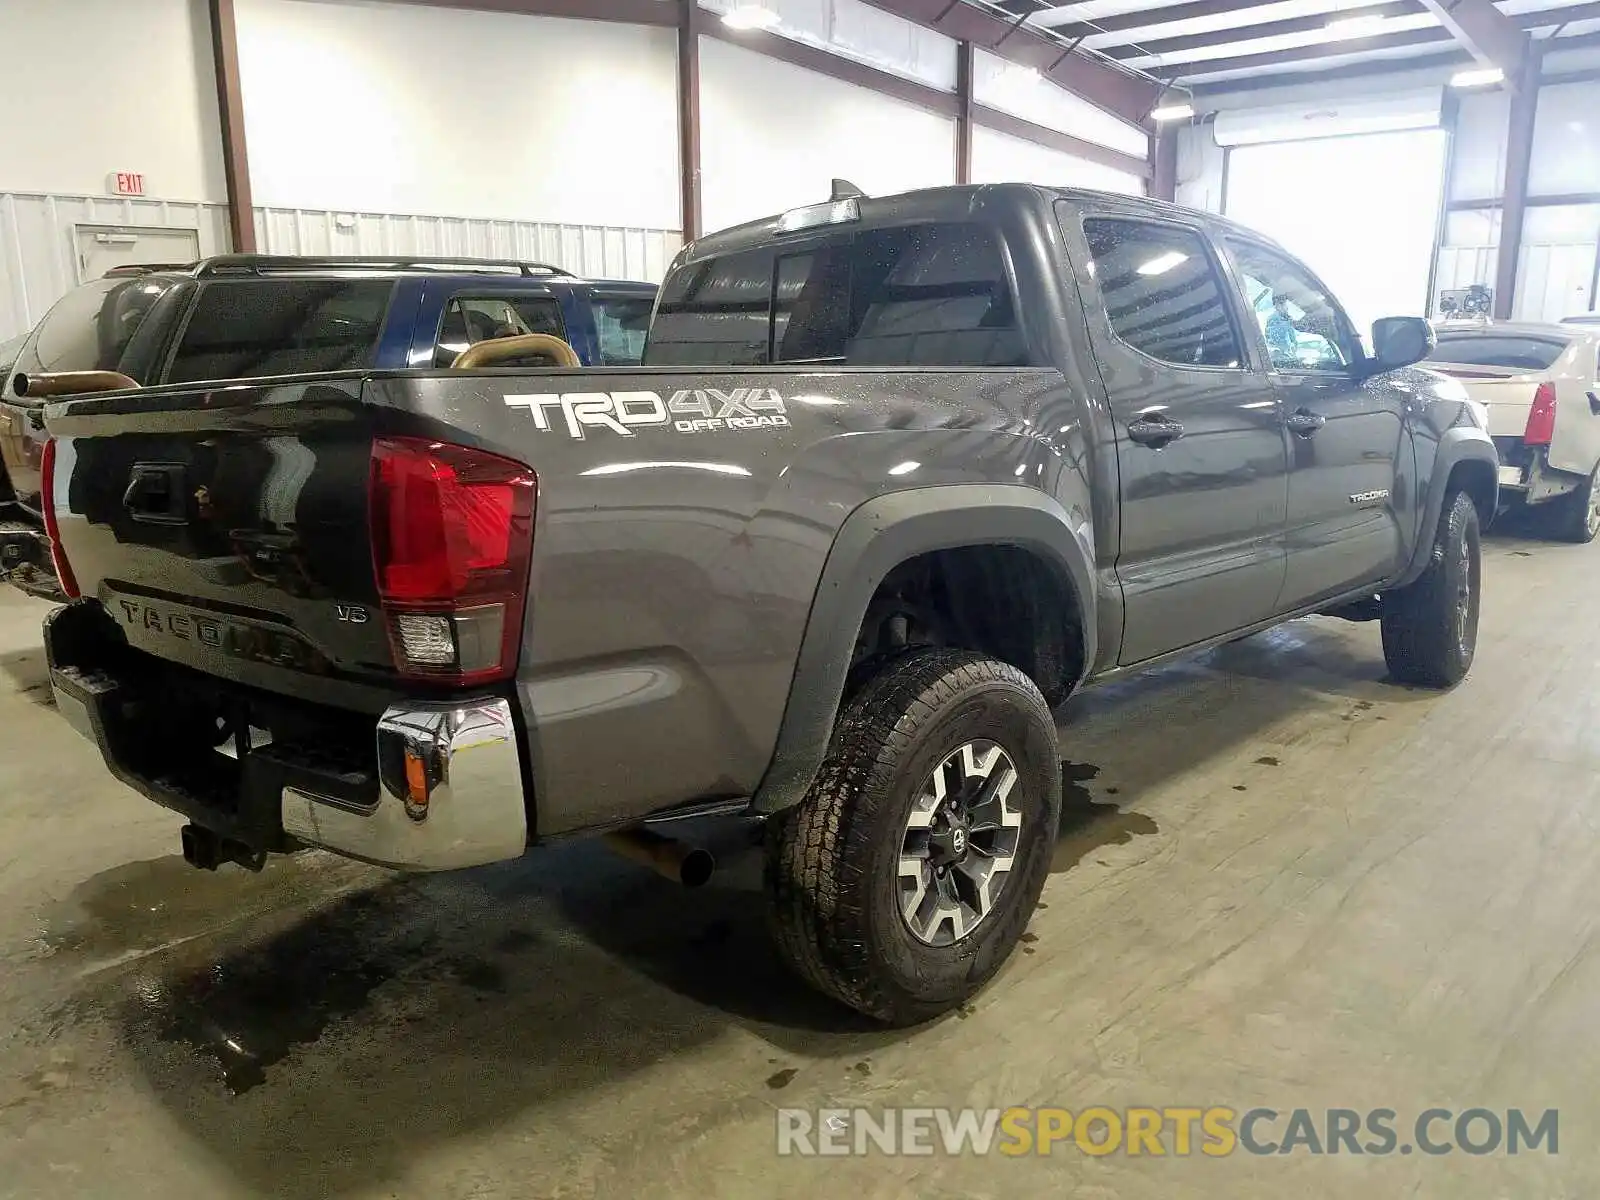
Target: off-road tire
(1430,627)
(1577,516)
(831,860)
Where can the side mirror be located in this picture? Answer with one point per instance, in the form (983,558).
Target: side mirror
(1399,342)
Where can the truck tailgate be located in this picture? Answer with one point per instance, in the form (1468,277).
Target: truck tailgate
(226,529)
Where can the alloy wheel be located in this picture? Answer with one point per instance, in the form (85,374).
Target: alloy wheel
(960,843)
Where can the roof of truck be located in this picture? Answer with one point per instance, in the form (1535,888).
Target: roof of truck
(223,265)
(943,204)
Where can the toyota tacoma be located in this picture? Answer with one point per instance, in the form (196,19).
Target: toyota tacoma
(896,477)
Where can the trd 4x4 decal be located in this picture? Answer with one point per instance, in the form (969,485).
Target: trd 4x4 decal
(696,410)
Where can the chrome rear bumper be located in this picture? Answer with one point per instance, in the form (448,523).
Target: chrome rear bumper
(450,793)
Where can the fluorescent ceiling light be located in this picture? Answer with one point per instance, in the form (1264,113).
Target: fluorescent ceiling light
(1356,26)
(1162,263)
(1172,112)
(1480,77)
(750,16)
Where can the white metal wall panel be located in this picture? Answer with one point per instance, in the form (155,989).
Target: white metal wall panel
(1553,280)
(597,251)
(37,261)
(1024,93)
(1566,141)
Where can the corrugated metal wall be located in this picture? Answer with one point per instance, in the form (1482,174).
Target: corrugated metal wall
(38,262)
(594,250)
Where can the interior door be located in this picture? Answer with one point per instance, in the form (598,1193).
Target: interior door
(1346,431)
(101,247)
(1200,446)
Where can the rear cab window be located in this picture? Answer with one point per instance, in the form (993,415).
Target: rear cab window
(473,317)
(931,294)
(1499,348)
(257,327)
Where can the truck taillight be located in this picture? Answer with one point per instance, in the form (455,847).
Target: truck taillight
(52,528)
(452,538)
(1541,425)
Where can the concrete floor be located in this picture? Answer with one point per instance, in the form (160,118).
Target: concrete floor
(1284,883)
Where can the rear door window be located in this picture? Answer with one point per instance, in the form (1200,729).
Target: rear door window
(469,319)
(250,328)
(935,294)
(1514,351)
(1162,292)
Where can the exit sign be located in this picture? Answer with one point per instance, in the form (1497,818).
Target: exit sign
(127,183)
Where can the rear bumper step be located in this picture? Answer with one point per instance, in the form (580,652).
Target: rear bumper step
(446,791)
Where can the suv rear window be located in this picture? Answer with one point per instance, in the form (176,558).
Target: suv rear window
(90,327)
(935,294)
(1517,351)
(247,328)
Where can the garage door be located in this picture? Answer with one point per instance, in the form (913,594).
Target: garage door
(1361,210)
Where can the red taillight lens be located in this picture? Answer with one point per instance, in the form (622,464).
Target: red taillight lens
(1541,425)
(452,536)
(47,499)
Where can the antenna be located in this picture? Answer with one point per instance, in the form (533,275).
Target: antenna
(843,189)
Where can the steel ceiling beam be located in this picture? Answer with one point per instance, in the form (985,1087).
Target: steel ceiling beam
(1120,92)
(1438,59)
(1145,17)
(627,12)
(1485,32)
(1307,54)
(1264,29)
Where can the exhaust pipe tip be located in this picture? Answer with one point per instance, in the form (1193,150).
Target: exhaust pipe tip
(691,866)
(697,867)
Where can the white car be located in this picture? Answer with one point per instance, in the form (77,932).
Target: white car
(1541,385)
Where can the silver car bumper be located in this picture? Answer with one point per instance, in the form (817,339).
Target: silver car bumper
(450,793)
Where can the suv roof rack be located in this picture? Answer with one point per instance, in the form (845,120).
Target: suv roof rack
(279,264)
(134,270)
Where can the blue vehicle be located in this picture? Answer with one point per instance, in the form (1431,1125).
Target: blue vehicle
(241,316)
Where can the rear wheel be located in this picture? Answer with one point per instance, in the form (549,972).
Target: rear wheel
(905,878)
(1577,517)
(1430,627)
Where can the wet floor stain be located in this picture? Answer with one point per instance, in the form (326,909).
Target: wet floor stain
(1239,787)
(782,1079)
(516,940)
(1267,760)
(248,1010)
(864,1067)
(142,905)
(1088,824)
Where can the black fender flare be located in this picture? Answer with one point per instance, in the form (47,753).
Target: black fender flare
(1462,444)
(874,539)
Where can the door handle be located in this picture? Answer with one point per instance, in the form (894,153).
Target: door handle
(1304,423)
(1154,432)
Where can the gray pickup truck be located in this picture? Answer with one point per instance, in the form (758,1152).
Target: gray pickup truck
(896,477)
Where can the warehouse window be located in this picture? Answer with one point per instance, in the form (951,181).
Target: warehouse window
(249,328)
(468,320)
(935,294)
(1162,292)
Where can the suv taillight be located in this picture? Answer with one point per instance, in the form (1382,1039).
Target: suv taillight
(1541,427)
(452,537)
(52,529)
